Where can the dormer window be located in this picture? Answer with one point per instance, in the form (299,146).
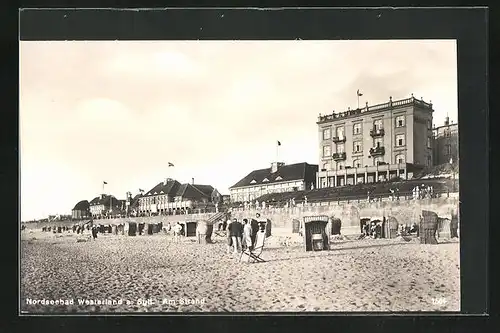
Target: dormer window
(161,192)
(279,178)
(253,181)
(265,180)
(156,193)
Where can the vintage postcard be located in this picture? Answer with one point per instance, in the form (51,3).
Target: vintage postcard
(239,176)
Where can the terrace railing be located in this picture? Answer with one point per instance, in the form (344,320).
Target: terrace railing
(329,200)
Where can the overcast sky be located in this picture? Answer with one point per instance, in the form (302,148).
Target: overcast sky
(118,111)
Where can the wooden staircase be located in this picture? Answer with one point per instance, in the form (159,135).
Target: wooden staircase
(216,217)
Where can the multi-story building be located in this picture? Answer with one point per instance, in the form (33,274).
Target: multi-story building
(81,210)
(375,143)
(105,205)
(278,178)
(171,197)
(445,145)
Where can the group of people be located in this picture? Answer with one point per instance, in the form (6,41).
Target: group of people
(372,229)
(242,236)
(394,194)
(423,192)
(406,229)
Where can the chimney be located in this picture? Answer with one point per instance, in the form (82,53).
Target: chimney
(165,181)
(446,121)
(275,166)
(103,196)
(192,181)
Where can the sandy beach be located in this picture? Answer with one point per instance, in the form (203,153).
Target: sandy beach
(154,274)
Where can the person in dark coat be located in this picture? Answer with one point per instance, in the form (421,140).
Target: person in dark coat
(255,227)
(94,232)
(236,233)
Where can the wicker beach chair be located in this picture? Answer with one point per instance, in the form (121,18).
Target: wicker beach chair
(255,253)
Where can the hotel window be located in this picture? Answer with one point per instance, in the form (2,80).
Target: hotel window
(429,124)
(429,142)
(429,161)
(377,124)
(377,143)
(323,181)
(340,148)
(357,128)
(358,146)
(340,132)
(326,133)
(340,165)
(400,121)
(448,149)
(330,181)
(327,151)
(400,159)
(400,140)
(356,164)
(326,166)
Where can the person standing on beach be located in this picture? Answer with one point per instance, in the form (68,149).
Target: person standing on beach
(247,234)
(236,231)
(94,232)
(255,227)
(177,232)
(228,235)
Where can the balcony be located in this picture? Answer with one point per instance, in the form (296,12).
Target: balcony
(376,133)
(338,139)
(339,156)
(377,151)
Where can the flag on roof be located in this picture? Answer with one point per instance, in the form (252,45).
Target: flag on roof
(279,143)
(105,182)
(170,164)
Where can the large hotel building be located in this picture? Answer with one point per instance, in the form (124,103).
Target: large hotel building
(445,142)
(375,143)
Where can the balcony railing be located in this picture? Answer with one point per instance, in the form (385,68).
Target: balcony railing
(338,139)
(377,151)
(391,104)
(377,132)
(339,156)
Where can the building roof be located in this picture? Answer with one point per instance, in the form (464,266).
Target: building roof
(135,201)
(94,201)
(170,188)
(205,189)
(104,201)
(82,205)
(173,188)
(285,173)
(190,191)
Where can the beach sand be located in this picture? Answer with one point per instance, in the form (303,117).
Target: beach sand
(154,274)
